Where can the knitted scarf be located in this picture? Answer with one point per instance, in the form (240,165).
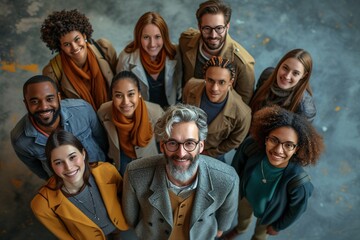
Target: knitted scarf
(153,67)
(135,131)
(87,81)
(279,96)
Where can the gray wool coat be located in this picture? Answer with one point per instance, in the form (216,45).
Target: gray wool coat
(146,201)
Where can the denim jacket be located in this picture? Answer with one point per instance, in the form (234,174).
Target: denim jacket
(77,117)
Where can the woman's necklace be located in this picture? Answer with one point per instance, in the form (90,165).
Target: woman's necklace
(264,180)
(82,203)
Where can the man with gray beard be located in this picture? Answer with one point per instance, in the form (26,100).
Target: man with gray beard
(180,194)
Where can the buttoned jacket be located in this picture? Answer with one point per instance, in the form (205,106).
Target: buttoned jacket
(173,74)
(76,116)
(66,221)
(230,126)
(107,66)
(105,116)
(243,62)
(147,205)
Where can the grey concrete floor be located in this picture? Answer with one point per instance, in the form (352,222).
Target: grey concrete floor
(329,30)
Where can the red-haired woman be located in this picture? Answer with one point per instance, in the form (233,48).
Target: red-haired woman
(154,60)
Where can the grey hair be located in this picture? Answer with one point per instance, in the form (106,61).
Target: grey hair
(177,114)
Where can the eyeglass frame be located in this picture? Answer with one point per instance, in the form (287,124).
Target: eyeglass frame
(211,29)
(181,143)
(282,143)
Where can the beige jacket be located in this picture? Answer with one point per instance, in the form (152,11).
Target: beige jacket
(105,116)
(243,61)
(229,128)
(107,67)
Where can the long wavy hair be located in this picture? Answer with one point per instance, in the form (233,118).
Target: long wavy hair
(303,85)
(157,20)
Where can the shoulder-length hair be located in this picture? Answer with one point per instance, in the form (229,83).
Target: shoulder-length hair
(59,138)
(310,142)
(157,20)
(303,85)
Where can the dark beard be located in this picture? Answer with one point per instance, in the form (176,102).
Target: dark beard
(39,121)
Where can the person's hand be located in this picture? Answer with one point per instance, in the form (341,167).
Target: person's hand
(219,233)
(271,231)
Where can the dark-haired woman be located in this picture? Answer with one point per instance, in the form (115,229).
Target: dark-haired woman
(80,201)
(274,186)
(83,68)
(129,121)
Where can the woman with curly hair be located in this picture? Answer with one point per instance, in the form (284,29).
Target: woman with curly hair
(154,60)
(80,201)
(288,85)
(83,68)
(274,186)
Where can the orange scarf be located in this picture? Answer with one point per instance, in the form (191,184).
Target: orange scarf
(135,131)
(87,81)
(153,67)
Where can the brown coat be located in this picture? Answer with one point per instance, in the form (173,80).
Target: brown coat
(66,221)
(243,61)
(230,126)
(107,67)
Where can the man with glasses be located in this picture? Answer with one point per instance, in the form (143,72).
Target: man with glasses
(180,194)
(212,39)
(228,117)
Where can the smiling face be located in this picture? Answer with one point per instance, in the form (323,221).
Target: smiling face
(181,164)
(126,96)
(73,44)
(213,40)
(43,104)
(68,163)
(290,72)
(151,40)
(278,157)
(218,83)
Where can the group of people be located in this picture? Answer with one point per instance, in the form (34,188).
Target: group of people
(138,140)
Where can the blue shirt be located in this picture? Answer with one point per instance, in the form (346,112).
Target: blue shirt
(77,117)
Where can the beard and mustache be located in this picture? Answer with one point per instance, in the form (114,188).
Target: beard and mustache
(181,173)
(47,123)
(211,46)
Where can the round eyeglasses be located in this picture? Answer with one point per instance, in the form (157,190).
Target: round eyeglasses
(218,29)
(188,145)
(287,146)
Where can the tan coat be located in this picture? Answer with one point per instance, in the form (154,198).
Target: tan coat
(229,128)
(105,116)
(107,67)
(243,61)
(66,221)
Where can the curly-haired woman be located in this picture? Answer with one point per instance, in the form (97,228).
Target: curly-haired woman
(274,186)
(83,68)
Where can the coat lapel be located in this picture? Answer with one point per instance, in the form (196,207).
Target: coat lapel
(160,198)
(203,198)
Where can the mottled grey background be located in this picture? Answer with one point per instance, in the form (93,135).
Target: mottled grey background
(329,30)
